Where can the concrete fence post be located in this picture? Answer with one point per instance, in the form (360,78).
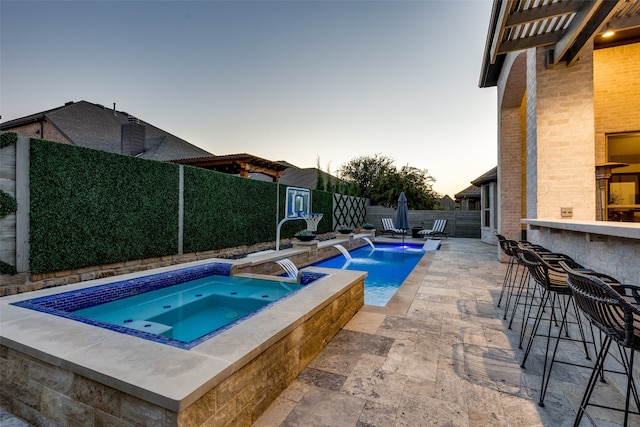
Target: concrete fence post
(23,197)
(180,209)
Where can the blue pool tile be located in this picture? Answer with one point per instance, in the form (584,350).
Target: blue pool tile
(65,303)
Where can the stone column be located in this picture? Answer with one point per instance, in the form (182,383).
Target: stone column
(561,141)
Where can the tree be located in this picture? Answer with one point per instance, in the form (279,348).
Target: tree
(417,185)
(381,182)
(363,171)
(320,184)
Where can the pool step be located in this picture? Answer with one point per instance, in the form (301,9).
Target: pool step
(148,326)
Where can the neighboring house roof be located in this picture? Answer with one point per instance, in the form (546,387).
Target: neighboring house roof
(474,191)
(471,192)
(447,202)
(303,177)
(95,126)
(565,28)
(487,177)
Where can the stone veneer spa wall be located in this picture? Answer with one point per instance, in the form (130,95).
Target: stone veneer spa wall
(45,383)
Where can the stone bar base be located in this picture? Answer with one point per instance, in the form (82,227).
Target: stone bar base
(612,248)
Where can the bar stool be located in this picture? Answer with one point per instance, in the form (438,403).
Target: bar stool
(556,295)
(508,248)
(615,310)
(524,287)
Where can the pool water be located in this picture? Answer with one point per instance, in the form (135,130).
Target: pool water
(190,310)
(388,266)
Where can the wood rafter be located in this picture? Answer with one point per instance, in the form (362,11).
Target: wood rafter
(580,20)
(542,13)
(583,29)
(545,39)
(500,28)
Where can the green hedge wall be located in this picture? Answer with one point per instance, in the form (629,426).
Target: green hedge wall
(90,207)
(322,202)
(8,138)
(222,210)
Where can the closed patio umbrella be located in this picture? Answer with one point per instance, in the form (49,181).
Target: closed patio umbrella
(402,215)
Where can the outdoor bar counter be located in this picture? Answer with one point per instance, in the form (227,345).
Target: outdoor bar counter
(612,248)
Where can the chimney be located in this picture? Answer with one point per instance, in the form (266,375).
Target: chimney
(133,136)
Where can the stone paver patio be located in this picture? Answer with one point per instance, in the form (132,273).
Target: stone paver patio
(438,355)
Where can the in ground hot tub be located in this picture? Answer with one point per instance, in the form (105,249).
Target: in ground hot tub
(182,307)
(72,372)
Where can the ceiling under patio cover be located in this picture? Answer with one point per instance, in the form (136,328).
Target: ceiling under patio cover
(565,26)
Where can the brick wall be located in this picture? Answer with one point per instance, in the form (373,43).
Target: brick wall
(531,134)
(564,111)
(40,130)
(509,173)
(560,135)
(511,92)
(616,93)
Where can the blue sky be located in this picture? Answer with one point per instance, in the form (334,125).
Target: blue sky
(293,80)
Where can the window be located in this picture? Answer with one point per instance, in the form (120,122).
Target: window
(624,184)
(487,206)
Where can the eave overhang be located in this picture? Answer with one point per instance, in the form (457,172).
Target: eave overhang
(563,27)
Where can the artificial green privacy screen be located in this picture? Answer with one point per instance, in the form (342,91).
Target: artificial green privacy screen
(90,207)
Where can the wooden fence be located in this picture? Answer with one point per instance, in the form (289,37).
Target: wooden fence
(459,223)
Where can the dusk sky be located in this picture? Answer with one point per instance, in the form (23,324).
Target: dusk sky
(289,80)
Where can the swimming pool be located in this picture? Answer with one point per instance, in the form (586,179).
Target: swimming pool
(388,266)
(182,308)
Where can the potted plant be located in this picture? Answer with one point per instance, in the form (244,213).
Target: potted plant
(368,226)
(343,229)
(305,235)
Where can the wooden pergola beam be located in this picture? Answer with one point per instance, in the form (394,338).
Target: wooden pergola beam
(543,12)
(598,20)
(545,39)
(500,29)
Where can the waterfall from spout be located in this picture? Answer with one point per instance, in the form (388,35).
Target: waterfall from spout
(289,267)
(343,251)
(366,239)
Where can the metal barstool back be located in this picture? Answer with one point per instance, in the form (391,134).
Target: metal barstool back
(523,286)
(510,276)
(556,295)
(615,310)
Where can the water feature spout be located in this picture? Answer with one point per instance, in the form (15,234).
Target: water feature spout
(366,239)
(289,267)
(343,251)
